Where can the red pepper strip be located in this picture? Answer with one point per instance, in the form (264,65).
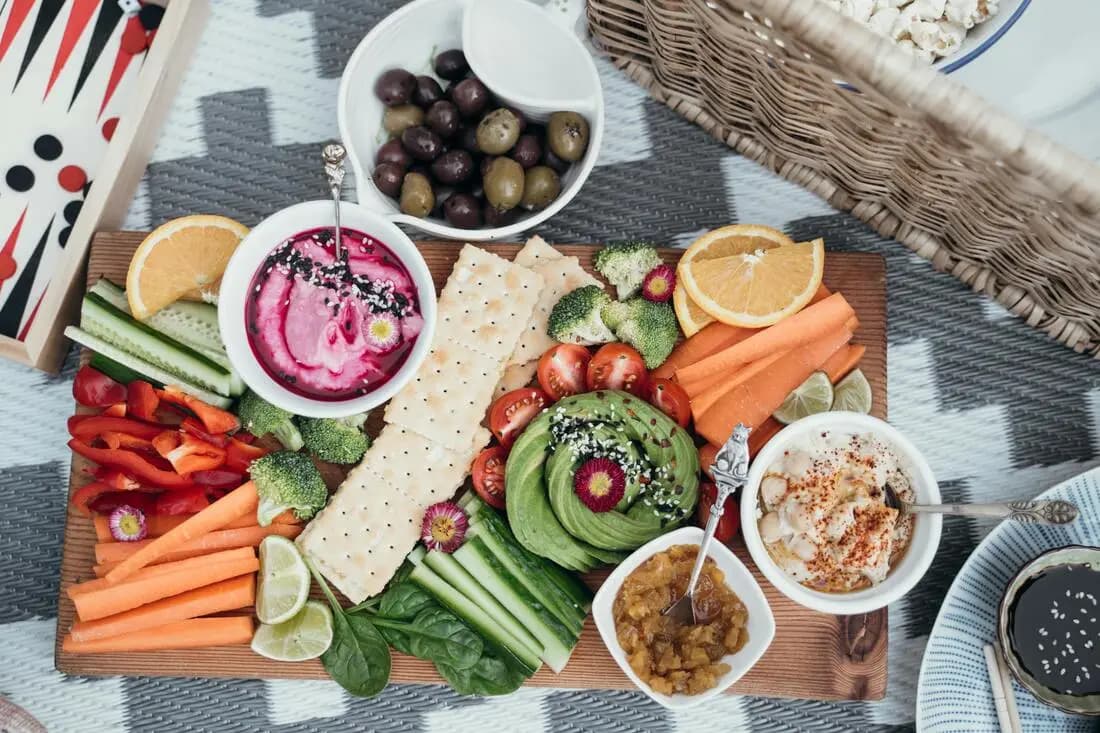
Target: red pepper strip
(116,479)
(84,495)
(238,455)
(193,427)
(88,427)
(111,500)
(196,455)
(122,440)
(133,463)
(115,410)
(165,442)
(245,437)
(93,388)
(215,419)
(219,478)
(142,400)
(182,501)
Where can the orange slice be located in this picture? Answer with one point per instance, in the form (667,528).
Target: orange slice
(692,318)
(748,276)
(180,258)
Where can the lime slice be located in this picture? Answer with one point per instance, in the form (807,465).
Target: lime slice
(305,636)
(812,396)
(853,393)
(284,580)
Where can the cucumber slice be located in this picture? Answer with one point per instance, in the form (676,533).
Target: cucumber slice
(99,318)
(463,582)
(148,371)
(557,640)
(117,372)
(472,614)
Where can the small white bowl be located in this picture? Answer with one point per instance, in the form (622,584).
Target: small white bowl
(982,37)
(248,258)
(408,38)
(926,527)
(761,623)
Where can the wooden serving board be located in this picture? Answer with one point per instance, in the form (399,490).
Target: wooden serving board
(813,655)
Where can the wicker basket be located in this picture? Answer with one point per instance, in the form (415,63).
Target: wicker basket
(912,153)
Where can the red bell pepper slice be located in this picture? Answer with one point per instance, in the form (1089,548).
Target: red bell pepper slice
(165,442)
(93,388)
(107,502)
(88,427)
(142,401)
(116,410)
(117,479)
(182,501)
(193,427)
(239,456)
(245,437)
(137,465)
(214,419)
(122,440)
(84,495)
(187,453)
(219,478)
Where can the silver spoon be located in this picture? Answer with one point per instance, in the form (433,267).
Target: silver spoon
(333,155)
(1053,511)
(730,470)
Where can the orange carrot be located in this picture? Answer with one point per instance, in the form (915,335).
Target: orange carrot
(193,633)
(223,539)
(703,401)
(767,430)
(753,401)
(813,322)
(160,524)
(241,501)
(843,361)
(191,563)
(97,604)
(227,595)
(711,339)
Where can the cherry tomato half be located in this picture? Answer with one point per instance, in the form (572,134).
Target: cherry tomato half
(512,411)
(731,516)
(618,366)
(707,453)
(671,399)
(488,475)
(562,370)
(93,388)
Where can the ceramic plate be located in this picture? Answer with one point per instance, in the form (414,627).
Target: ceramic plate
(954,693)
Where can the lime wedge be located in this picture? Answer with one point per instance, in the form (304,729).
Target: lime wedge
(811,397)
(284,580)
(853,393)
(305,636)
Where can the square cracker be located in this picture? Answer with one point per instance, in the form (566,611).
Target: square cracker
(487,302)
(516,376)
(535,251)
(427,471)
(447,398)
(560,276)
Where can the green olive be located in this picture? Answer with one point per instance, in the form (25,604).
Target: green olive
(398,119)
(567,135)
(541,186)
(503,182)
(417,198)
(498,132)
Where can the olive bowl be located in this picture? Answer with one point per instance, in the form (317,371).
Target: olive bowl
(760,624)
(409,38)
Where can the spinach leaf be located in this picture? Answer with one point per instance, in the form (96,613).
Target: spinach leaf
(490,676)
(434,634)
(404,601)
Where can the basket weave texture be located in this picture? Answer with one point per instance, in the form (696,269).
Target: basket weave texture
(912,153)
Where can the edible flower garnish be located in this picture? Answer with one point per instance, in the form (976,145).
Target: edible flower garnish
(659,284)
(127,524)
(600,483)
(444,527)
(383,332)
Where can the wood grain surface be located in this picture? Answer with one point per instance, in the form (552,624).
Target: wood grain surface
(813,655)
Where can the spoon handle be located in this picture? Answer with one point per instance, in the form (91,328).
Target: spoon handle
(333,156)
(1054,511)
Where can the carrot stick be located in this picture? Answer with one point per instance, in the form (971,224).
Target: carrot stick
(753,401)
(159,524)
(223,539)
(227,595)
(234,505)
(193,633)
(767,430)
(813,322)
(843,361)
(191,563)
(97,604)
(703,401)
(711,339)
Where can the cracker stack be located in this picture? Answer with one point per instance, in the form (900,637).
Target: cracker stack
(433,425)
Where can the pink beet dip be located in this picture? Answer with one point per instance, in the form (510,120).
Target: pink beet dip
(332,330)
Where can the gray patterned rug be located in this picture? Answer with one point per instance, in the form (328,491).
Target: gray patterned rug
(1001,411)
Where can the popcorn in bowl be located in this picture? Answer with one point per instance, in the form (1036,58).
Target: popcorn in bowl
(929,29)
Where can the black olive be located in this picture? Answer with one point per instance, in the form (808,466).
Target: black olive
(471,97)
(452,167)
(549,158)
(485,163)
(443,118)
(463,210)
(388,177)
(422,143)
(393,152)
(427,91)
(467,138)
(496,218)
(528,151)
(451,64)
(395,87)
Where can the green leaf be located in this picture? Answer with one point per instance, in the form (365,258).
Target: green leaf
(436,635)
(404,601)
(490,676)
(359,658)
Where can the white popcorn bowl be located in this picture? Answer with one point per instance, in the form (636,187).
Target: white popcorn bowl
(981,38)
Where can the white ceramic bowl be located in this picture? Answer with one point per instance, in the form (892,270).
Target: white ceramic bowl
(761,623)
(926,527)
(408,38)
(237,279)
(981,38)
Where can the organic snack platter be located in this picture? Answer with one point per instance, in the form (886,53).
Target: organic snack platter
(849,652)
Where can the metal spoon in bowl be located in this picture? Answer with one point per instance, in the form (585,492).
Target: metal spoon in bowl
(731,470)
(333,155)
(1053,511)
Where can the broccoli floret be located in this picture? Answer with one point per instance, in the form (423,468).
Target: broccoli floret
(576,317)
(614,313)
(625,265)
(287,480)
(260,417)
(335,440)
(649,327)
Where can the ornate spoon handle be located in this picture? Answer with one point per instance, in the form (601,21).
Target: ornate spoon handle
(333,156)
(1054,511)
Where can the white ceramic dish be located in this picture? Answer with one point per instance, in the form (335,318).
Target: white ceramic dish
(408,38)
(982,37)
(761,623)
(237,279)
(926,528)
